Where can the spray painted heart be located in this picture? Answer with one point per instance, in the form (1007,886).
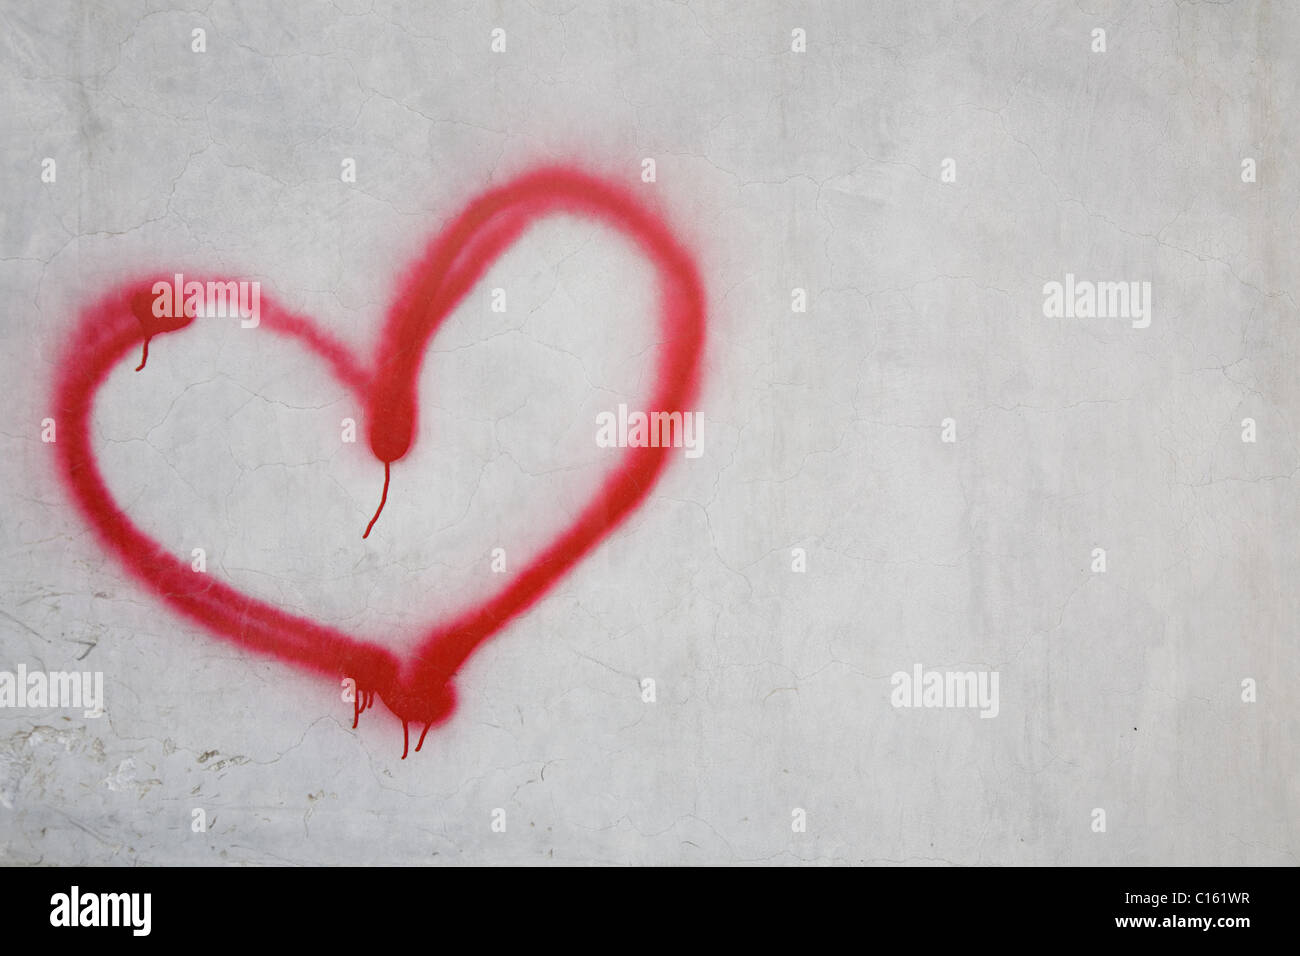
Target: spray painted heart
(416,688)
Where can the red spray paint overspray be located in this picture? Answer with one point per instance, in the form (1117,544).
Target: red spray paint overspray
(417,688)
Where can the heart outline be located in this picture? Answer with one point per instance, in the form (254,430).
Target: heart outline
(417,687)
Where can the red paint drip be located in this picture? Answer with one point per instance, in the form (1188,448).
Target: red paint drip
(417,687)
(361,702)
(382,500)
(145,357)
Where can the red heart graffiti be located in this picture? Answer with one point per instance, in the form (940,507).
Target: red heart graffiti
(417,688)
